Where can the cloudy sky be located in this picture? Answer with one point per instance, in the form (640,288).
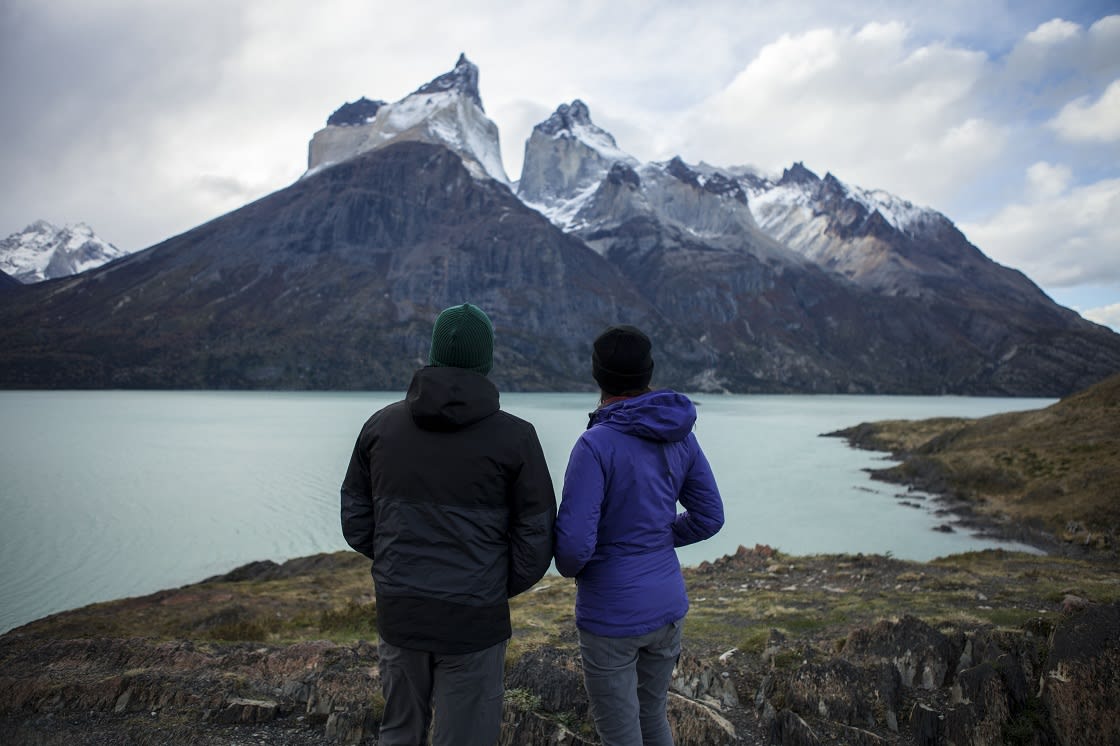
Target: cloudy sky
(144,119)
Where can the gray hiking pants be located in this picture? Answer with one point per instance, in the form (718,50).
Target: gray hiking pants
(627,681)
(461,693)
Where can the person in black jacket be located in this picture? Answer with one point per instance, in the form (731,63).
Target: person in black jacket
(452,500)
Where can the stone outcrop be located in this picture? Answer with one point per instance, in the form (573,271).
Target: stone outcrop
(895,682)
(1080,684)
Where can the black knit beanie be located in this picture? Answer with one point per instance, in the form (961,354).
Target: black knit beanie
(463,337)
(621,360)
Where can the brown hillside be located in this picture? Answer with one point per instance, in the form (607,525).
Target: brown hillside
(1056,469)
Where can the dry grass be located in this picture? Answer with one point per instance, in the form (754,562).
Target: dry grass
(1057,468)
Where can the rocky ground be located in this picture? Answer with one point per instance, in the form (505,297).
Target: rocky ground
(992,647)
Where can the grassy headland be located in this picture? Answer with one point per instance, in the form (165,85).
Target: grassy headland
(1054,470)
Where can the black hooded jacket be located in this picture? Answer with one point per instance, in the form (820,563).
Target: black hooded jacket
(452,500)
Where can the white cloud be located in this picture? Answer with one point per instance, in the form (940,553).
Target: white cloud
(1053,32)
(1046,181)
(1081,120)
(1058,238)
(868,104)
(1108,316)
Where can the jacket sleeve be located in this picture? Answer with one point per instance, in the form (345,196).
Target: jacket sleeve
(532,514)
(357,501)
(703,507)
(577,522)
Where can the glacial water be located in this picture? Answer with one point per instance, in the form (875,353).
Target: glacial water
(110,494)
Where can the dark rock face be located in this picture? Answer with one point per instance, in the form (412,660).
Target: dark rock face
(798,174)
(621,174)
(923,656)
(678,169)
(555,677)
(565,118)
(7,282)
(720,184)
(463,78)
(356,112)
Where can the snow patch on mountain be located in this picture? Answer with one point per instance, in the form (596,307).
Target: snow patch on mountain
(42,251)
(799,193)
(447,111)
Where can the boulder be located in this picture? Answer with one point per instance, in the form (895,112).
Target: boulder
(924,657)
(698,679)
(1080,687)
(842,692)
(554,676)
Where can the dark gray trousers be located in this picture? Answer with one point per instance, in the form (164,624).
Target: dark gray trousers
(458,696)
(627,681)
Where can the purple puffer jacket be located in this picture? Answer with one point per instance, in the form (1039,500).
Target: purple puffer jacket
(618,526)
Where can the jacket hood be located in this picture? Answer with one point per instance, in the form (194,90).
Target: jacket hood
(659,415)
(447,399)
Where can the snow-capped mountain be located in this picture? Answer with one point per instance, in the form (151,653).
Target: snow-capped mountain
(576,175)
(42,251)
(446,111)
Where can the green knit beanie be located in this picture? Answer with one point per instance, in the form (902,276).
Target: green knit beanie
(463,337)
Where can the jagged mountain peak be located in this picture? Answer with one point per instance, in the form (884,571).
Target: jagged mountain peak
(566,118)
(463,78)
(447,111)
(679,169)
(566,157)
(798,174)
(573,121)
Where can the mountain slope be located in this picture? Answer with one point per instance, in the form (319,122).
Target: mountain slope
(7,282)
(332,283)
(42,251)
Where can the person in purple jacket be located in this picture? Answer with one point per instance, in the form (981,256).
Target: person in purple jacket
(617,530)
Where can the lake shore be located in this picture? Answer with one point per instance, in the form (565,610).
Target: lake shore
(1047,478)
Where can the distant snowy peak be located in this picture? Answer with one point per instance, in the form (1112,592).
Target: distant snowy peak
(800,188)
(446,111)
(42,251)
